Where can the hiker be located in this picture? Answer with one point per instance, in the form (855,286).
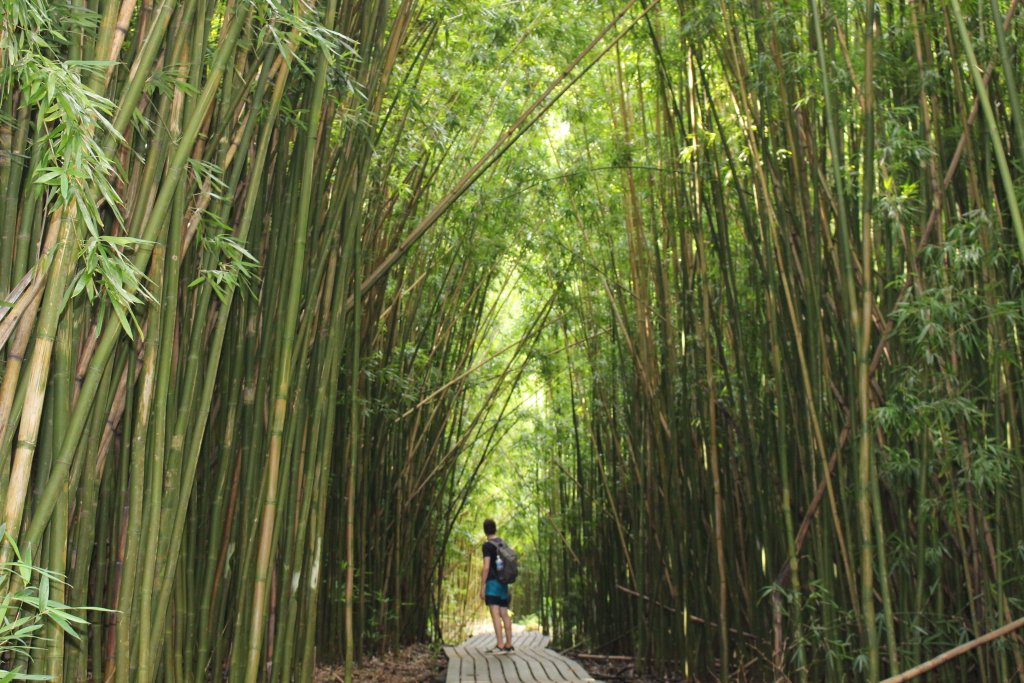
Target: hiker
(493,592)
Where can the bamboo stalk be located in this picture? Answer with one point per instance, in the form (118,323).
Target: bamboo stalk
(284,379)
(948,655)
(997,145)
(38,369)
(862,323)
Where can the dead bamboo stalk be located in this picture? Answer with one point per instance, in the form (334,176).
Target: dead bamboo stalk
(949,655)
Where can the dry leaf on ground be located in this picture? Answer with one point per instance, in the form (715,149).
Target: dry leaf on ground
(413,664)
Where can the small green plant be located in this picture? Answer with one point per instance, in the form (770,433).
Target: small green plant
(26,607)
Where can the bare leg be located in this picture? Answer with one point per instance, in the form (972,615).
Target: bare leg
(496,620)
(506,619)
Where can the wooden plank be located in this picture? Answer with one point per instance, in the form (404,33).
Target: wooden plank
(496,675)
(527,640)
(530,639)
(465,665)
(508,667)
(522,665)
(550,663)
(551,672)
(484,664)
(561,664)
(576,667)
(479,640)
(536,667)
(468,672)
(454,665)
(480,669)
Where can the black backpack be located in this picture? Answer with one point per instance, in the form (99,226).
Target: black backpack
(506,564)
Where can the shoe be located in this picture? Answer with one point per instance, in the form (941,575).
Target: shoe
(509,649)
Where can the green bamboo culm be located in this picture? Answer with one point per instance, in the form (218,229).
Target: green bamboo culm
(861,319)
(284,366)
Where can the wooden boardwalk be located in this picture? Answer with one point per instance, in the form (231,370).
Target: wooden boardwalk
(476,661)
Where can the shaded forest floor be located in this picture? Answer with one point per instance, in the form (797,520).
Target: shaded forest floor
(413,664)
(617,669)
(423,664)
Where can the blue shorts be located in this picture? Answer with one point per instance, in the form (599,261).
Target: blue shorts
(496,593)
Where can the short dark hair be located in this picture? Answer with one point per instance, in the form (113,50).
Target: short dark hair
(490,528)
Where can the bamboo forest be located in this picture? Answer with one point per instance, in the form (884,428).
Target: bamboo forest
(715,306)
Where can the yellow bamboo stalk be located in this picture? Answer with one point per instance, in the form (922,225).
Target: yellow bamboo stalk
(38,369)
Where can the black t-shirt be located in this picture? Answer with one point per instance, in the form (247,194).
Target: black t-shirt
(491,551)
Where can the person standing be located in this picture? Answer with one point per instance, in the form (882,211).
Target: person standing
(493,592)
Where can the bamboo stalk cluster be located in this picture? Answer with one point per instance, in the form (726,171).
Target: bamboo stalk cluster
(795,454)
(226,413)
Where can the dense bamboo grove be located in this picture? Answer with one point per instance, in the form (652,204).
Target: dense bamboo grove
(763,258)
(796,450)
(218,393)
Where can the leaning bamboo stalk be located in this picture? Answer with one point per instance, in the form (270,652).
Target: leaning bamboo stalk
(111,330)
(7,165)
(12,391)
(140,70)
(504,142)
(31,217)
(955,652)
(997,145)
(120,31)
(19,321)
(38,371)
(15,303)
(1016,107)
